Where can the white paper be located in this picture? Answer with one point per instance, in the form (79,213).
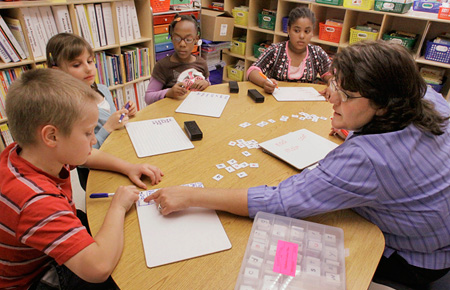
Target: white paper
(284,94)
(204,104)
(300,149)
(157,136)
(179,236)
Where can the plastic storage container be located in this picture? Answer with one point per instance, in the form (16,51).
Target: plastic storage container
(288,253)
(394,7)
(406,42)
(266,21)
(359,4)
(258,50)
(329,32)
(216,73)
(427,6)
(238,47)
(163,46)
(240,17)
(158,29)
(160,5)
(359,35)
(234,74)
(284,24)
(331,2)
(437,52)
(163,37)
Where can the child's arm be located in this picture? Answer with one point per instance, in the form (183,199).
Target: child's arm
(97,261)
(104,161)
(154,91)
(255,77)
(178,91)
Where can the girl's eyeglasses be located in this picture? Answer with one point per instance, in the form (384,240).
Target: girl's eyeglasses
(343,95)
(178,39)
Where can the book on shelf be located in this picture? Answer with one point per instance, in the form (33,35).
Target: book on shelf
(109,24)
(84,24)
(128,21)
(6,134)
(100,24)
(3,55)
(134,20)
(49,21)
(6,31)
(32,33)
(16,29)
(92,21)
(62,18)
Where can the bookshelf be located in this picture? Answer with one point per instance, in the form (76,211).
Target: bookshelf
(112,44)
(426,25)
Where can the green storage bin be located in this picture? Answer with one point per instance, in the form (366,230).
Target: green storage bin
(406,42)
(163,37)
(258,50)
(266,21)
(331,2)
(394,7)
(179,2)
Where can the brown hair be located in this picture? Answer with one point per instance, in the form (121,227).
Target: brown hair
(387,75)
(65,47)
(45,96)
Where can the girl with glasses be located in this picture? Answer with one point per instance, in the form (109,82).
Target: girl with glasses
(175,75)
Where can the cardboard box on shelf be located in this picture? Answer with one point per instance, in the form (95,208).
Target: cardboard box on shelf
(217,25)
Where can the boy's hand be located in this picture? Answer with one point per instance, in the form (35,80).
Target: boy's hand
(199,85)
(171,199)
(125,196)
(177,91)
(132,110)
(113,120)
(135,172)
(269,87)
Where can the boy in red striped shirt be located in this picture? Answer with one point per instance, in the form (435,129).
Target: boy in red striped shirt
(52,117)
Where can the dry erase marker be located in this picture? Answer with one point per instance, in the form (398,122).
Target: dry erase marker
(101,195)
(345,132)
(270,81)
(123,114)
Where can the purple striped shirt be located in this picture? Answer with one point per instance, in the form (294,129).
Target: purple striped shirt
(399,180)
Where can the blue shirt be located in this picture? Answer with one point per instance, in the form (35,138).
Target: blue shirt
(100,133)
(399,181)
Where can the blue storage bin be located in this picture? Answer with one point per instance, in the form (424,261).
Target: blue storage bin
(284,22)
(427,6)
(437,52)
(216,73)
(163,46)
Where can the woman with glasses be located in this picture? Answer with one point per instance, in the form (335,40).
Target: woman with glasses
(393,168)
(174,75)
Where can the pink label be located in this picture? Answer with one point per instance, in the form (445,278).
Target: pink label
(286,258)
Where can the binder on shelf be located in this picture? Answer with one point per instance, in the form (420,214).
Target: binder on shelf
(128,22)
(16,30)
(49,21)
(134,20)
(32,33)
(100,24)
(92,21)
(109,24)
(121,21)
(7,47)
(62,18)
(84,24)
(3,55)
(12,40)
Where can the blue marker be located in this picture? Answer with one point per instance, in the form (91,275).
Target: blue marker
(100,195)
(123,114)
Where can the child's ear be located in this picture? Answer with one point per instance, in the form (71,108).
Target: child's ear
(49,135)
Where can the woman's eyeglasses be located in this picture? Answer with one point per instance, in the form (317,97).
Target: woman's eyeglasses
(343,95)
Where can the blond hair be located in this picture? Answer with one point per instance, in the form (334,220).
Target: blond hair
(65,47)
(45,96)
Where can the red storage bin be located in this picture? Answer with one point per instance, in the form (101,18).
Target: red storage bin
(160,5)
(330,33)
(163,19)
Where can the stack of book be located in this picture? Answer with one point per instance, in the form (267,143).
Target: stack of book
(6,137)
(132,92)
(7,76)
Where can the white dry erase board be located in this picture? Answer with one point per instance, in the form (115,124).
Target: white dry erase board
(157,136)
(292,94)
(179,236)
(300,149)
(204,104)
